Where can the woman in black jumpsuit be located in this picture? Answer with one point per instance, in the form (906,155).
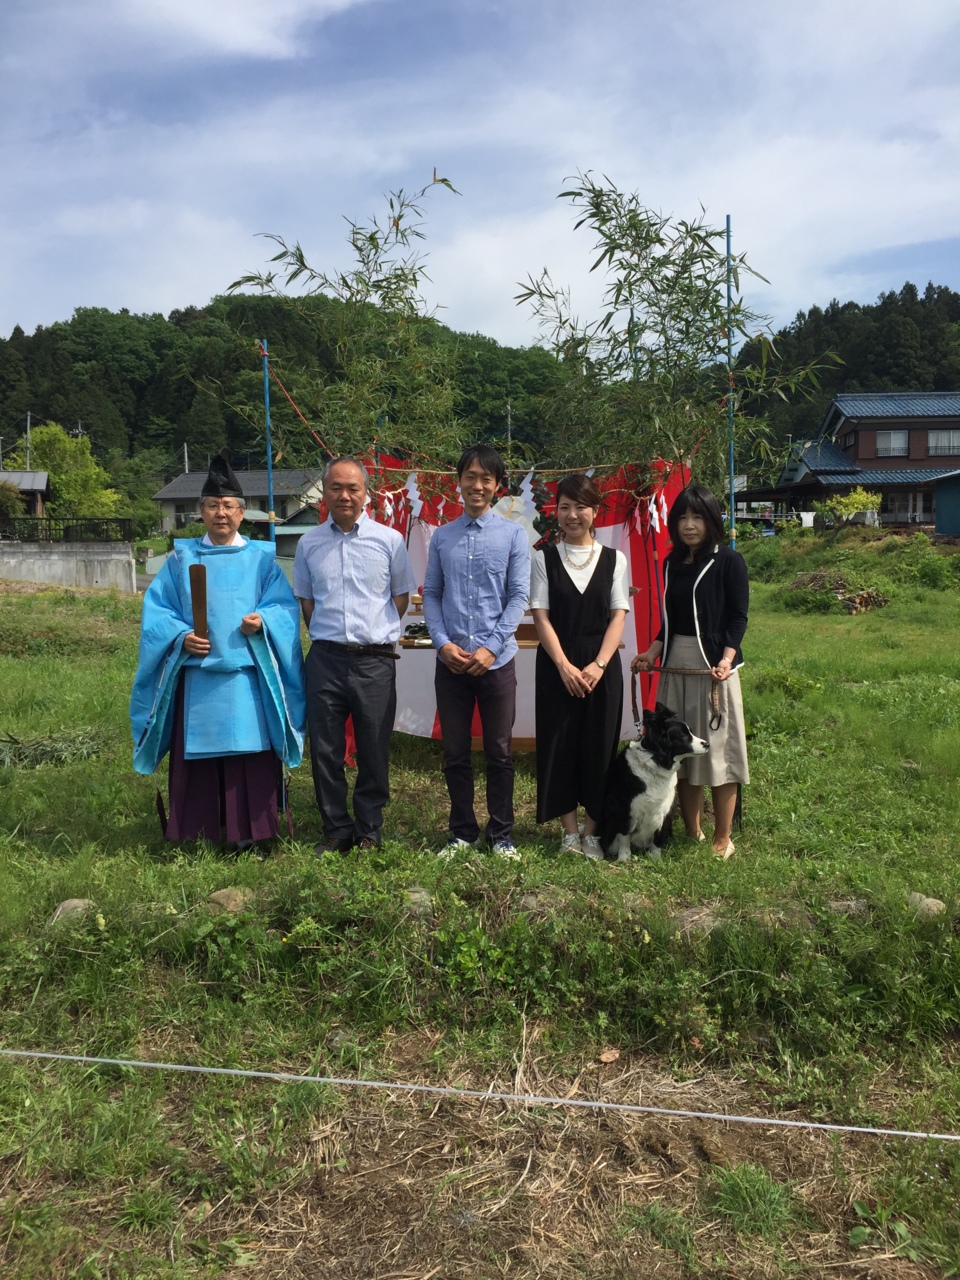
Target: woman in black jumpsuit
(579,599)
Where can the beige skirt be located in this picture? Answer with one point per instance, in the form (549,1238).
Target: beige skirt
(689,697)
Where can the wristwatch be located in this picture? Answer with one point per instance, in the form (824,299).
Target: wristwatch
(601,664)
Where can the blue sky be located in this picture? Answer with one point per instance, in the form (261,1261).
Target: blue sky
(146,142)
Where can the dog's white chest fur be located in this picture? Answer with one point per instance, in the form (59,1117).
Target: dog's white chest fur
(649,809)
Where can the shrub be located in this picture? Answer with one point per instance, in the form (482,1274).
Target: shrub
(805,600)
(765,560)
(195,530)
(11,503)
(920,564)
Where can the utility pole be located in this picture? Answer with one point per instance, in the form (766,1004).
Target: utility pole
(1,453)
(186,459)
(266,411)
(28,439)
(730,458)
(509,430)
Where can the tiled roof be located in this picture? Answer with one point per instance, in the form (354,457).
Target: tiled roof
(888,475)
(27,480)
(824,456)
(891,406)
(899,404)
(290,483)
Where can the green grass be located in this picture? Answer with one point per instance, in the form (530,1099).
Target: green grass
(668,1227)
(753,1202)
(521,974)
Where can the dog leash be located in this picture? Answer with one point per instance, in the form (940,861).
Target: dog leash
(716,716)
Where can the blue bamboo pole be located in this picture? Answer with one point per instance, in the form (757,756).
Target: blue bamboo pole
(733,496)
(266,408)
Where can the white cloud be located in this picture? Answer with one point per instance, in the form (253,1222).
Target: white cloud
(826,131)
(226,27)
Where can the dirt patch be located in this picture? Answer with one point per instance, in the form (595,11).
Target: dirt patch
(401,1187)
(467,1188)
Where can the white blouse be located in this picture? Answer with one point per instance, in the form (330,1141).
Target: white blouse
(540,591)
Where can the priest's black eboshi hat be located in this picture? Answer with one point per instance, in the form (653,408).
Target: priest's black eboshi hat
(221,481)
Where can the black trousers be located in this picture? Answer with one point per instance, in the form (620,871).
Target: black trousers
(363,686)
(494,694)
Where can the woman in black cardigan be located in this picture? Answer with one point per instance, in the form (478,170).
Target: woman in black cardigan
(706,593)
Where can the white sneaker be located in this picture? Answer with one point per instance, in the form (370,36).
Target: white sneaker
(505,849)
(570,843)
(454,847)
(592,848)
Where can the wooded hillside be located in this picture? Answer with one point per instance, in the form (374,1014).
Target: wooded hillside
(145,385)
(905,341)
(145,382)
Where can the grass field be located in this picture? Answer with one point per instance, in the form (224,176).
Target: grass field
(795,980)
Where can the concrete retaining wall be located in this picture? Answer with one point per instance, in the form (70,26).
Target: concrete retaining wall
(70,564)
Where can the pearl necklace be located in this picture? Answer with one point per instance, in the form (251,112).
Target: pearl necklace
(582,564)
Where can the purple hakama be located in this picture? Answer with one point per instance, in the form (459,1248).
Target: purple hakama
(232,797)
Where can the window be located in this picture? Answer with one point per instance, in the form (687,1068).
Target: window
(849,440)
(940,443)
(893,444)
(907,508)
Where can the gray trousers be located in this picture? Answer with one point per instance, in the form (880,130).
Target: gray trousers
(363,686)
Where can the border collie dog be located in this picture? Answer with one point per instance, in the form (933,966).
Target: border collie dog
(642,783)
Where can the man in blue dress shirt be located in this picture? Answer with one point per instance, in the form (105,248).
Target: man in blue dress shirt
(474,595)
(353,579)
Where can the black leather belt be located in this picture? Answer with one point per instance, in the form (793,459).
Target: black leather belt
(360,650)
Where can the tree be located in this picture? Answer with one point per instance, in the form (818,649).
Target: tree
(393,380)
(79,486)
(14,384)
(843,508)
(204,429)
(906,341)
(648,377)
(137,479)
(11,502)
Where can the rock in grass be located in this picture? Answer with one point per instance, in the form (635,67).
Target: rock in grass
(419,903)
(72,909)
(230,900)
(544,900)
(788,916)
(635,904)
(848,906)
(926,907)
(697,920)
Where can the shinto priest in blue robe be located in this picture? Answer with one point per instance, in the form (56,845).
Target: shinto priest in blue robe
(228,719)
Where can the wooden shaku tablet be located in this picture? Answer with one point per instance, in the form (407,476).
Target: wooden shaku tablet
(198,597)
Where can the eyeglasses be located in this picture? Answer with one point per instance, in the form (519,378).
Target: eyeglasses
(220,504)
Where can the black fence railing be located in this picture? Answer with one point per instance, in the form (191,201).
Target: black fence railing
(54,529)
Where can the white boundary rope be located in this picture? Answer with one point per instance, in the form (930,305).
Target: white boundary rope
(483,1094)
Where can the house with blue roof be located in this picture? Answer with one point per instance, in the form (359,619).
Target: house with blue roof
(898,444)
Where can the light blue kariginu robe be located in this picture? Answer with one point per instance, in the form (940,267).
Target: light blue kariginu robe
(247,694)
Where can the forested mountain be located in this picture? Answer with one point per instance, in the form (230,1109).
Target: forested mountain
(140,387)
(905,341)
(137,383)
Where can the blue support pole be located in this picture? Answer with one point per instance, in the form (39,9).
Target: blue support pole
(266,409)
(733,496)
